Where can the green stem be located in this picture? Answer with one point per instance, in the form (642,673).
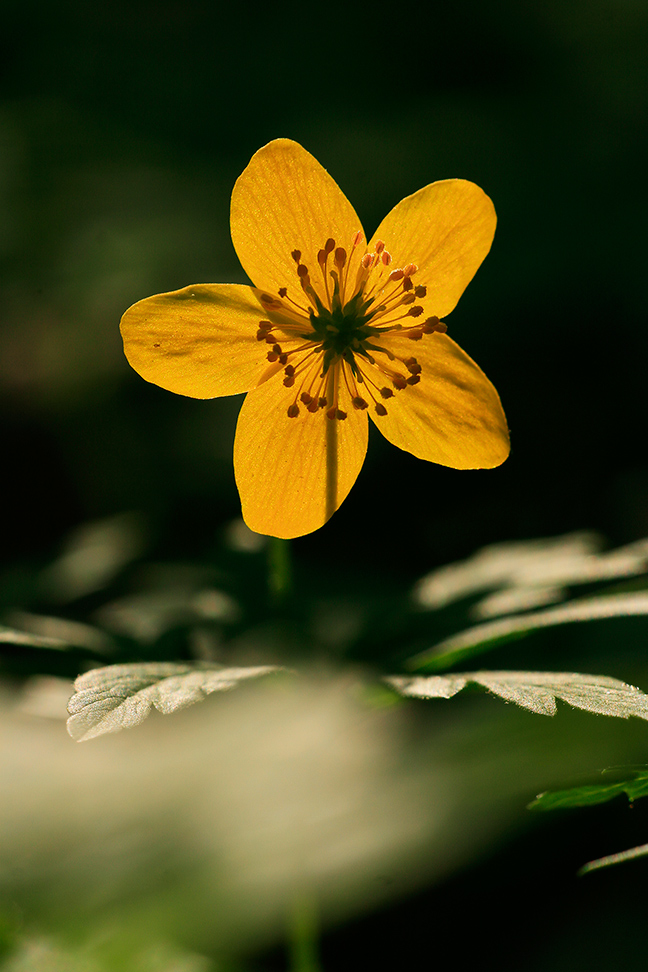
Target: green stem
(303,935)
(279,569)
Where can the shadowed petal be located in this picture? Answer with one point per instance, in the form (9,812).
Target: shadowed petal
(283,201)
(199,341)
(293,473)
(447,229)
(453,416)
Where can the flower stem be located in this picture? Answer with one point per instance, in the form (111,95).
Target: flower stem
(303,935)
(279,569)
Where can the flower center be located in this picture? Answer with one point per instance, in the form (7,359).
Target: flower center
(340,333)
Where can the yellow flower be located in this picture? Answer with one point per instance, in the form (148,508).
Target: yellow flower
(334,330)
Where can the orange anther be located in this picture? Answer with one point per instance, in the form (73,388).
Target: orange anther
(340,256)
(408,298)
(293,411)
(380,409)
(386,258)
(413,379)
(340,415)
(321,257)
(359,402)
(272,356)
(395,275)
(289,381)
(261,335)
(421,290)
(399,382)
(313,406)
(296,255)
(415,311)
(358,238)
(302,270)
(441,327)
(386,393)
(290,370)
(269,338)
(329,246)
(415,334)
(410,269)
(283,291)
(407,284)
(276,349)
(367,260)
(283,358)
(414,368)
(322,403)
(380,246)
(305,398)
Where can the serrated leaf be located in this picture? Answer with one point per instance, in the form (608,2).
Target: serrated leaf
(483,637)
(585,796)
(121,696)
(640,851)
(536,691)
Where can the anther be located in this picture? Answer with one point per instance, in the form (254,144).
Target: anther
(329,246)
(261,334)
(305,398)
(415,334)
(289,381)
(359,402)
(340,415)
(395,275)
(283,358)
(269,338)
(386,257)
(367,260)
(413,379)
(271,356)
(290,370)
(398,382)
(296,255)
(321,257)
(340,257)
(331,412)
(380,246)
(283,291)
(276,349)
(412,366)
(302,270)
(430,325)
(386,393)
(407,284)
(358,238)
(410,269)
(380,409)
(415,311)
(420,291)
(408,298)
(293,411)
(313,407)
(322,403)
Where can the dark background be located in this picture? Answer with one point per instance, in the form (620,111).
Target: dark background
(124,127)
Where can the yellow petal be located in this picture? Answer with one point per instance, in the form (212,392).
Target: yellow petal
(447,229)
(453,416)
(199,341)
(283,201)
(293,473)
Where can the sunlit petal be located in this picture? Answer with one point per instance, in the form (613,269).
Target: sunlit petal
(293,473)
(446,229)
(453,416)
(199,341)
(284,201)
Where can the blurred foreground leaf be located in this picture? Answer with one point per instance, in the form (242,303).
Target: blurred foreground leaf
(536,691)
(483,637)
(11,636)
(121,696)
(586,796)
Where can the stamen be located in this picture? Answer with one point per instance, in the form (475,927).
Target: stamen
(380,409)
(420,291)
(340,257)
(398,381)
(358,238)
(296,255)
(413,380)
(293,411)
(415,311)
(386,393)
(283,291)
(395,275)
(380,246)
(410,269)
(359,403)
(386,257)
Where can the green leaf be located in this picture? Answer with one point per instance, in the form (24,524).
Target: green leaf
(536,691)
(483,637)
(585,796)
(121,696)
(640,851)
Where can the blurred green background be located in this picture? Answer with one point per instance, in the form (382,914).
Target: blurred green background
(123,127)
